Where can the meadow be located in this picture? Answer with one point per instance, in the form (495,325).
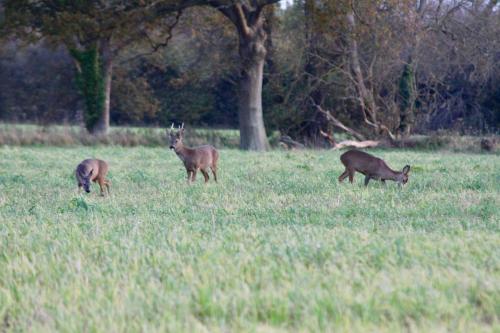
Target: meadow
(277,245)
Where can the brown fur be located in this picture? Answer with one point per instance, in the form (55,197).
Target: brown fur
(370,166)
(92,170)
(201,158)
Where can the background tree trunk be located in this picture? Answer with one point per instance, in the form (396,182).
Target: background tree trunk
(102,125)
(252,130)
(407,96)
(94,73)
(312,69)
(90,84)
(252,53)
(249,22)
(407,82)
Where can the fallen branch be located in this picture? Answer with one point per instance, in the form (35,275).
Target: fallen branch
(349,143)
(337,123)
(329,138)
(356,144)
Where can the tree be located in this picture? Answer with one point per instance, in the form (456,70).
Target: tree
(94,32)
(248,18)
(407,82)
(366,98)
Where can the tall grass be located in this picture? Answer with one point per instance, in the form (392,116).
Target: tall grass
(277,245)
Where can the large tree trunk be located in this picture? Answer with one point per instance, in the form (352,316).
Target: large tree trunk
(249,22)
(252,53)
(252,130)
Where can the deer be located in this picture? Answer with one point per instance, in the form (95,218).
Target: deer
(195,159)
(92,170)
(372,167)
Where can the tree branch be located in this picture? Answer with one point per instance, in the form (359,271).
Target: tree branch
(241,20)
(337,123)
(156,46)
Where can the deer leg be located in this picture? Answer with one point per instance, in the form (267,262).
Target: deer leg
(101,186)
(367,179)
(189,176)
(214,172)
(343,176)
(108,184)
(205,175)
(351,176)
(193,175)
(383,181)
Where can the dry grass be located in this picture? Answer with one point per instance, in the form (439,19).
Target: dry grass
(32,135)
(63,136)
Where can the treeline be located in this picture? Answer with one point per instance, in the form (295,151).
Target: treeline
(371,68)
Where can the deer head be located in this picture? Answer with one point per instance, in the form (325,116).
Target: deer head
(403,176)
(176,136)
(86,181)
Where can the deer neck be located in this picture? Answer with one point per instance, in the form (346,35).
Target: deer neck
(390,174)
(182,151)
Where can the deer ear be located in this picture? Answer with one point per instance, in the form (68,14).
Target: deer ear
(406,169)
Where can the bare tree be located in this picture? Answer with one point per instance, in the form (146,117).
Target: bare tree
(366,97)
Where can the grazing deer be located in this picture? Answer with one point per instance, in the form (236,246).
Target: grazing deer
(92,170)
(200,158)
(372,167)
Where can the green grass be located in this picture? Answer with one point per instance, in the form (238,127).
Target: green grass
(277,245)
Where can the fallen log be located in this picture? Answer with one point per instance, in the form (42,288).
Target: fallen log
(356,144)
(349,143)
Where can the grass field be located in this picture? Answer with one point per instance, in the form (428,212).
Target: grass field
(277,245)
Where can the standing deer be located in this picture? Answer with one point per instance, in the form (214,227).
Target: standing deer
(372,167)
(200,158)
(92,170)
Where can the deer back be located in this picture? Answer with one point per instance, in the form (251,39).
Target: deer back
(366,164)
(99,168)
(202,156)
